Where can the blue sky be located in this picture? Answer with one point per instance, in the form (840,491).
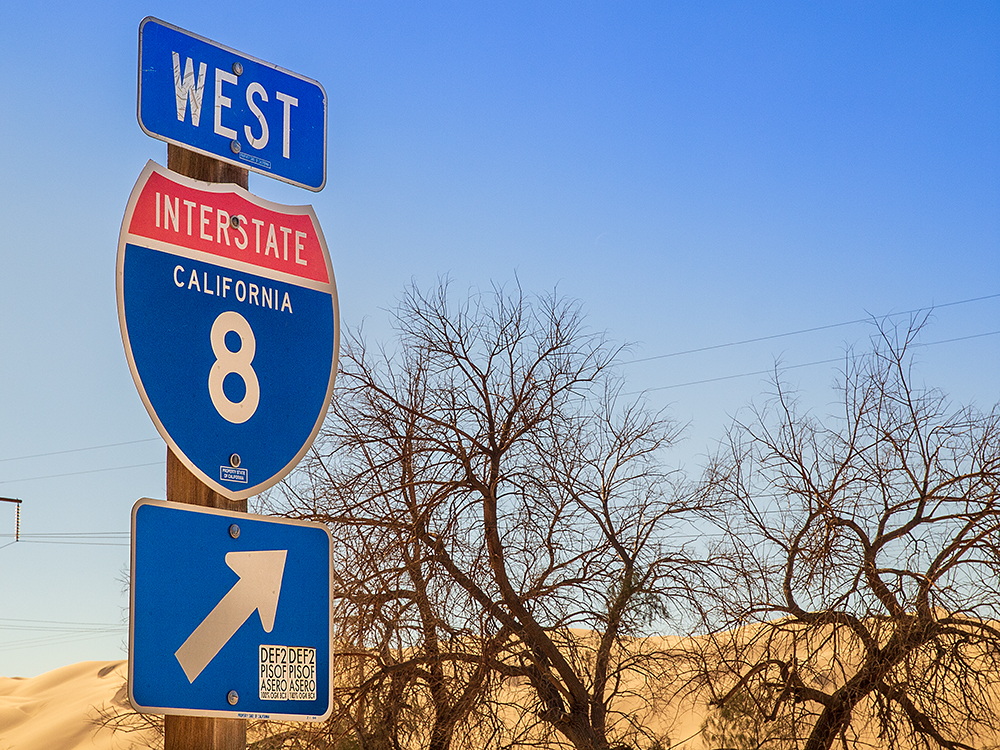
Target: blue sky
(694,173)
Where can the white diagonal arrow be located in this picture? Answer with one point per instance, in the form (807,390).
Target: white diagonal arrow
(257,590)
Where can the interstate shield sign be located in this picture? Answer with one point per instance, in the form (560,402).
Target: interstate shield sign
(228,313)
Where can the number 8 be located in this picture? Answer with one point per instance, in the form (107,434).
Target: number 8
(237,362)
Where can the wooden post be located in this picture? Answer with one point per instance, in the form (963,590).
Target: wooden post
(204,168)
(195,732)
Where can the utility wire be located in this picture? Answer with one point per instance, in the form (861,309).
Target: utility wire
(733,377)
(30,624)
(814,329)
(957,338)
(74,544)
(79,539)
(794,367)
(58,631)
(79,473)
(703,381)
(80,450)
(59,639)
(696,350)
(75,534)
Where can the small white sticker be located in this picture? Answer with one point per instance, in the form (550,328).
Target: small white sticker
(287,673)
(229,474)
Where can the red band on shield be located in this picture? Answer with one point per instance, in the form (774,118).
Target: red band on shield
(229,226)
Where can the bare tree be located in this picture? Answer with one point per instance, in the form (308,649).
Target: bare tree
(742,722)
(412,655)
(860,593)
(502,515)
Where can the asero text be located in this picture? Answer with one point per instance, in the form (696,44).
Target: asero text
(287,673)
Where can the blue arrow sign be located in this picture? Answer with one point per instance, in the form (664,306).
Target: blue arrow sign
(228,313)
(230,614)
(222,103)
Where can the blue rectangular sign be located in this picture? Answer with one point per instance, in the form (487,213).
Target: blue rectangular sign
(230,614)
(222,103)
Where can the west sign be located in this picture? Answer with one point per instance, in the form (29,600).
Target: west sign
(222,103)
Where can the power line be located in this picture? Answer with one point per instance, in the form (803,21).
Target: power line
(57,631)
(814,329)
(79,473)
(80,450)
(733,377)
(70,536)
(59,628)
(74,544)
(797,366)
(78,534)
(958,338)
(696,350)
(82,540)
(31,623)
(50,640)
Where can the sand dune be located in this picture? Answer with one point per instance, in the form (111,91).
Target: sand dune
(68,709)
(62,709)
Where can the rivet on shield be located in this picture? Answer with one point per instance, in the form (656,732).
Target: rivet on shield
(235,146)
(233,697)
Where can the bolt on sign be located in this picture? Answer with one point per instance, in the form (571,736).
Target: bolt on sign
(211,99)
(228,312)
